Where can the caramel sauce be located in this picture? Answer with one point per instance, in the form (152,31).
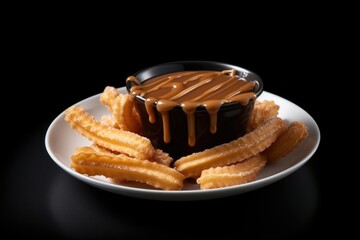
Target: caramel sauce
(189,90)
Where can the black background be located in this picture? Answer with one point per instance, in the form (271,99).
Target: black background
(59,70)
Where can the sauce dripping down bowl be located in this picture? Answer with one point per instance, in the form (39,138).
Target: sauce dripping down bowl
(178,133)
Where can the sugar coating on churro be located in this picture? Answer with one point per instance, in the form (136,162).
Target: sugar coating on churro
(262,112)
(287,141)
(236,174)
(232,152)
(108,97)
(87,161)
(114,139)
(125,113)
(108,121)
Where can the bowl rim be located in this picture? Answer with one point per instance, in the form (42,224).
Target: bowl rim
(259,85)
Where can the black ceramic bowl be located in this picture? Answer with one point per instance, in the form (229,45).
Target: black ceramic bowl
(232,118)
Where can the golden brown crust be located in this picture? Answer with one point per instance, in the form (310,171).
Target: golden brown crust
(108,121)
(159,155)
(103,150)
(107,98)
(125,114)
(87,161)
(162,157)
(263,112)
(232,152)
(114,139)
(287,141)
(236,174)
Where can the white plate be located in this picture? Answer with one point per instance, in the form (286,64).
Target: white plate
(61,141)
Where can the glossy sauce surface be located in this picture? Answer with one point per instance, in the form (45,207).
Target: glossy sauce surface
(190,90)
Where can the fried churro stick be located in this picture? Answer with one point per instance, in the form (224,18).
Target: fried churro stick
(108,121)
(114,139)
(287,141)
(236,174)
(162,157)
(136,115)
(159,155)
(122,108)
(86,161)
(124,113)
(263,111)
(232,152)
(108,97)
(104,151)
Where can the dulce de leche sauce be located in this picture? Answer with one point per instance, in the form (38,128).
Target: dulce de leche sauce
(189,90)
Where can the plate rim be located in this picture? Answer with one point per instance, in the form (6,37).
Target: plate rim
(158,194)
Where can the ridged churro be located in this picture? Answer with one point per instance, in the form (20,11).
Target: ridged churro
(103,150)
(114,139)
(108,121)
(262,112)
(162,157)
(232,152)
(108,97)
(236,174)
(87,161)
(124,113)
(159,155)
(287,141)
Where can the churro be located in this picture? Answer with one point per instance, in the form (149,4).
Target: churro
(262,112)
(103,150)
(162,157)
(108,97)
(232,152)
(236,174)
(159,155)
(287,141)
(87,161)
(108,121)
(114,139)
(125,114)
